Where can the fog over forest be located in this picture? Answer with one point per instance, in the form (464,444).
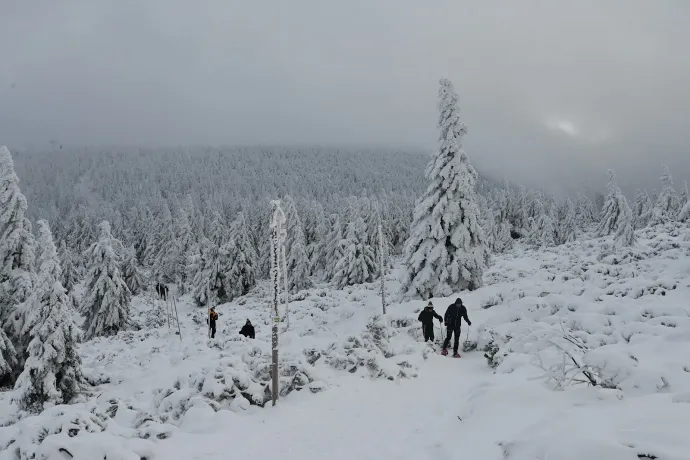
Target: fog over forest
(553,93)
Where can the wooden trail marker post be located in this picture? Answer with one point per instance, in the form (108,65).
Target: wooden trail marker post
(278,235)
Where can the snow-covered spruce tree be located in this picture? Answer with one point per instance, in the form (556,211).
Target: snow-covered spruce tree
(52,373)
(684,196)
(400,229)
(358,264)
(132,273)
(611,212)
(211,266)
(625,233)
(17,245)
(298,265)
(106,301)
(314,219)
(532,233)
(241,275)
(264,243)
(489,227)
(653,199)
(183,240)
(666,206)
(567,222)
(17,274)
(504,240)
(173,259)
(641,212)
(496,227)
(8,359)
(585,214)
(334,246)
(684,214)
(545,235)
(515,209)
(445,252)
(70,275)
(373,220)
(541,226)
(316,249)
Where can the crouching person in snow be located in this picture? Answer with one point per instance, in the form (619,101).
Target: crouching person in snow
(453,317)
(212,317)
(427,318)
(247,330)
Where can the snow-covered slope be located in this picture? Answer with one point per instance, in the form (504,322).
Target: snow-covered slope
(362,386)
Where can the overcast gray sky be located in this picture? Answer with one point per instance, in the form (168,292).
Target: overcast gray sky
(553,92)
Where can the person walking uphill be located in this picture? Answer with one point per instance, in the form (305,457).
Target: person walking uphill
(427,318)
(212,317)
(453,317)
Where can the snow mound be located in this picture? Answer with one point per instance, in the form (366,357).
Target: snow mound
(72,432)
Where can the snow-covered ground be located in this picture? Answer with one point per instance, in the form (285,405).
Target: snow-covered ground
(362,386)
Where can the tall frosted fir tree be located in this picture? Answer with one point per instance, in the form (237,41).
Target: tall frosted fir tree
(52,373)
(17,275)
(445,252)
(106,296)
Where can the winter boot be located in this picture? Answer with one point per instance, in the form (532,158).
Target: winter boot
(456,355)
(444,352)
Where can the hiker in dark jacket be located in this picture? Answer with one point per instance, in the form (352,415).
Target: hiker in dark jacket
(247,330)
(427,318)
(453,317)
(212,317)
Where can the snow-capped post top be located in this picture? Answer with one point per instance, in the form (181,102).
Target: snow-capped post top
(278,219)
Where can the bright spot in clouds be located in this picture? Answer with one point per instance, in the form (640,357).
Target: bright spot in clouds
(564,126)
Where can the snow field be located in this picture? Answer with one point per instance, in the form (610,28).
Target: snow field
(623,315)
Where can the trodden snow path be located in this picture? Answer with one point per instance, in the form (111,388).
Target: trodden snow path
(415,418)
(431,417)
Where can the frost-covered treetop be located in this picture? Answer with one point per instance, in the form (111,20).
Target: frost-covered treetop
(452,129)
(7,173)
(10,197)
(666,179)
(48,261)
(104,250)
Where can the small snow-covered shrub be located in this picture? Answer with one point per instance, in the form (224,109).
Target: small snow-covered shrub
(56,429)
(492,301)
(377,351)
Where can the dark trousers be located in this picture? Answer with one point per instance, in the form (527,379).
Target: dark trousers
(428,330)
(213,331)
(456,341)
